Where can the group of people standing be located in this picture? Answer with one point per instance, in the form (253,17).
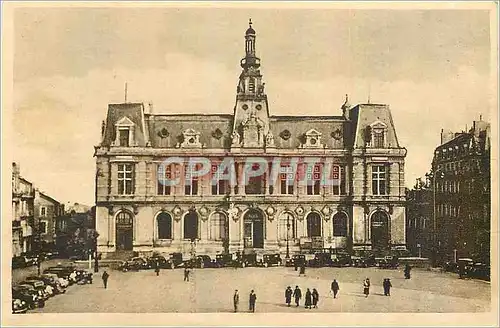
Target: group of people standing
(386,284)
(311,298)
(252,298)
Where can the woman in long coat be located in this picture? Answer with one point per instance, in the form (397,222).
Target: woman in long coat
(366,287)
(308,303)
(315,296)
(288,295)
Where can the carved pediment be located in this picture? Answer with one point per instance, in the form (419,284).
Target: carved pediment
(312,139)
(125,121)
(378,125)
(190,139)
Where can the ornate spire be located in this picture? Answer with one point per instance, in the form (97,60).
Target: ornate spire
(250,60)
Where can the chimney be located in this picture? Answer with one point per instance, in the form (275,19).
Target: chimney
(446,135)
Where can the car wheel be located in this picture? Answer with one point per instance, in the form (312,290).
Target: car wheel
(266,264)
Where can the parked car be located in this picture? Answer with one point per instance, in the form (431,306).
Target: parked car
(39,292)
(27,295)
(296,260)
(225,260)
(50,280)
(135,263)
(19,306)
(30,258)
(249,260)
(389,262)
(465,266)
(202,261)
(271,260)
(363,261)
(19,262)
(341,259)
(480,271)
(322,260)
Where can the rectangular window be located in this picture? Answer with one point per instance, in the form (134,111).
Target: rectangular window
(43,211)
(378,139)
(125,179)
(287,180)
(255,184)
(124,137)
(221,187)
(339,189)
(191,182)
(379,180)
(164,176)
(313,176)
(43,226)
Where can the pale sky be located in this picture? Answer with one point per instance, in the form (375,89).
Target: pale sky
(431,67)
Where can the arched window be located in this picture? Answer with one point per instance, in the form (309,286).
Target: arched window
(380,230)
(340,225)
(313,225)
(286,226)
(191,225)
(218,229)
(164,221)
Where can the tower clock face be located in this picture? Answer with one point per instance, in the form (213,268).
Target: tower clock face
(259,107)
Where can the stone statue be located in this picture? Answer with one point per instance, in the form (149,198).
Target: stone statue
(269,139)
(233,212)
(261,89)
(103,127)
(236,138)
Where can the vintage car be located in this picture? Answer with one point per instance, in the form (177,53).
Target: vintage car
(363,261)
(388,262)
(271,260)
(19,306)
(249,260)
(202,261)
(226,260)
(135,264)
(341,259)
(39,291)
(480,271)
(321,260)
(30,296)
(296,260)
(50,280)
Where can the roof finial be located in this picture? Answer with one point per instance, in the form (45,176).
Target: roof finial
(250,22)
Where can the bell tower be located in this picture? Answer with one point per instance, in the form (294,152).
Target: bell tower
(251,113)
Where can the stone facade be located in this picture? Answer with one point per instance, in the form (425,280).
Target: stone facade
(23,195)
(363,210)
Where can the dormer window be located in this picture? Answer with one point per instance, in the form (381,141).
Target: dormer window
(124,132)
(312,139)
(191,139)
(379,134)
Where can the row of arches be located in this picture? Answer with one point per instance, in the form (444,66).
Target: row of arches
(253,227)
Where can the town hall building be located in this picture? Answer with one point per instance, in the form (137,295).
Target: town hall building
(137,211)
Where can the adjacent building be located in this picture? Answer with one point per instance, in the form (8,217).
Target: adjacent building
(72,227)
(419,219)
(23,195)
(461,169)
(34,216)
(137,210)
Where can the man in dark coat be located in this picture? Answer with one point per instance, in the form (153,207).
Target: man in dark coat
(186,274)
(236,300)
(387,287)
(335,288)
(288,295)
(315,296)
(308,302)
(297,294)
(157,268)
(105,277)
(251,301)
(407,271)
(302,270)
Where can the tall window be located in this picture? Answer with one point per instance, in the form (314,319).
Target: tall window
(124,137)
(218,226)
(286,226)
(125,179)
(221,186)
(379,186)
(340,225)
(164,221)
(255,184)
(191,225)
(251,85)
(313,176)
(339,189)
(43,226)
(164,176)
(287,180)
(43,211)
(191,182)
(378,139)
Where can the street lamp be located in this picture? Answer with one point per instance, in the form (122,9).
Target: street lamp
(287,236)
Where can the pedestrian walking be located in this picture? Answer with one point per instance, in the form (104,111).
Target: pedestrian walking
(387,287)
(407,271)
(236,300)
(297,295)
(251,301)
(302,270)
(288,295)
(315,296)
(105,277)
(157,269)
(308,302)
(366,287)
(186,274)
(335,288)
